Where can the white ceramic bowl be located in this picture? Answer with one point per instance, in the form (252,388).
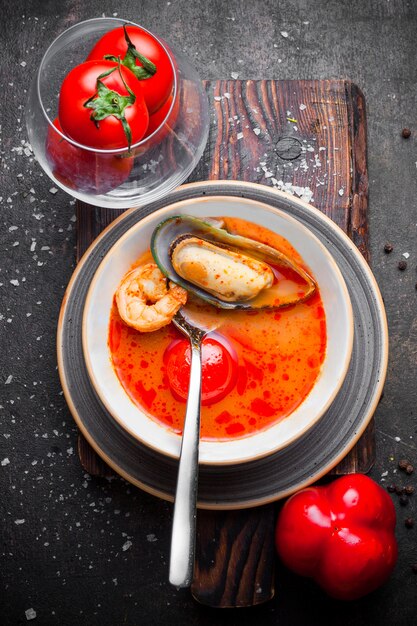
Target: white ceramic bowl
(336,303)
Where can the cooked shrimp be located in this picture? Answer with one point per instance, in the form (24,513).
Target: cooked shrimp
(145,301)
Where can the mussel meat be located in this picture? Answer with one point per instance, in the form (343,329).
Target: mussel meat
(231,276)
(226,270)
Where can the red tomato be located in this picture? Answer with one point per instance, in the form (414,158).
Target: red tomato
(157,87)
(80,86)
(157,118)
(219,368)
(155,122)
(84,170)
(341,535)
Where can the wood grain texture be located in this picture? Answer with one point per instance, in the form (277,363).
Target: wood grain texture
(235,557)
(91,461)
(358,228)
(234,564)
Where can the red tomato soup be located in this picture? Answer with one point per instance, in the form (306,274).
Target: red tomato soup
(257,367)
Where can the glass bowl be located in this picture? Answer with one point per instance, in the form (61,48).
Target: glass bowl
(120,178)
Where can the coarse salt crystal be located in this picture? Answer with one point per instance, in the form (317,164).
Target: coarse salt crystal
(284,34)
(217,98)
(19,521)
(53,190)
(234,75)
(307,195)
(240,135)
(126,546)
(257,131)
(30,614)
(298,190)
(341,191)
(406,255)
(397,438)
(14,282)
(302,107)
(9,379)
(5,462)
(23,63)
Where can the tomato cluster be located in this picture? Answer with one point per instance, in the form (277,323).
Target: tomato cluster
(120,95)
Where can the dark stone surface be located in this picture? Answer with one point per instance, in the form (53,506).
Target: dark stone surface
(70,559)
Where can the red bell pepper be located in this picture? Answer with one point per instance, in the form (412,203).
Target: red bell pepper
(341,535)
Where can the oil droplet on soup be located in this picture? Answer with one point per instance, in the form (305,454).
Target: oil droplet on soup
(267,363)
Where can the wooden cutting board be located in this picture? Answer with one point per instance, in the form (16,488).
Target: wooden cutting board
(308,138)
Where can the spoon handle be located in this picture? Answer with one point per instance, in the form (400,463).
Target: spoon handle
(184,520)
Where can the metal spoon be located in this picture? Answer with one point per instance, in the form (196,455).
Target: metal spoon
(184,520)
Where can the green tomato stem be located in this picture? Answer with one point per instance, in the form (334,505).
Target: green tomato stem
(106,102)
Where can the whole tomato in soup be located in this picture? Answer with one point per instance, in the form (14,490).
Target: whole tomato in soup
(101,105)
(144,56)
(84,170)
(219,368)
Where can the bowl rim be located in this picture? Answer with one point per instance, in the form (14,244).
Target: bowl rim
(113,151)
(177,206)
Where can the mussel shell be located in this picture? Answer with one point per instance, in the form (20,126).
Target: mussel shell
(174,227)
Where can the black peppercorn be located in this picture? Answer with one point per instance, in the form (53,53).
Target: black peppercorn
(388,248)
(409,469)
(406,133)
(391,488)
(409,522)
(403,500)
(402,265)
(403,464)
(398,490)
(409,490)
